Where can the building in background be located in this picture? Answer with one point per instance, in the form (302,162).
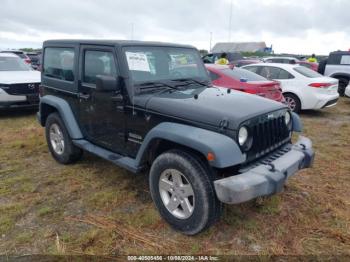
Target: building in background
(234,47)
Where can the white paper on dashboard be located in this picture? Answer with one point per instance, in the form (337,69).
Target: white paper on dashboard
(137,61)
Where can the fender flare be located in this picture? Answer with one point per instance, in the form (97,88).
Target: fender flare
(226,151)
(65,113)
(340,75)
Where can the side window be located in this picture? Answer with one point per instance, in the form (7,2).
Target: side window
(269,72)
(334,59)
(98,63)
(253,69)
(283,74)
(59,63)
(345,60)
(213,76)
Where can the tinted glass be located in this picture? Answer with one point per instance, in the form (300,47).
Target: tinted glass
(59,63)
(239,73)
(13,64)
(148,63)
(275,73)
(334,59)
(307,72)
(253,69)
(98,63)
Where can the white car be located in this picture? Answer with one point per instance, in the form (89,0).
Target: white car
(302,87)
(19,83)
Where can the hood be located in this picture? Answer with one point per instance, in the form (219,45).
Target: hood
(19,77)
(212,105)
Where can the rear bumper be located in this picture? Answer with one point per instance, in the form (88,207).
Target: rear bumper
(326,100)
(266,179)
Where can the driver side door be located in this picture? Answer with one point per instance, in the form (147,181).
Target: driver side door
(101,113)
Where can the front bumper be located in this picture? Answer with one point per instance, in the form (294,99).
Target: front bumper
(18,101)
(269,176)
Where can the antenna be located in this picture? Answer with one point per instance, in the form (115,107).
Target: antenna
(211,37)
(132,31)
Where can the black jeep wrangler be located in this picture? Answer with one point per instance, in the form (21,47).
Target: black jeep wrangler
(151,106)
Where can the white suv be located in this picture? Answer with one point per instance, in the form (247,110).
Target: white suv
(19,83)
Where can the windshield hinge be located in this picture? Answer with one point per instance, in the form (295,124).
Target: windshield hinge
(223,124)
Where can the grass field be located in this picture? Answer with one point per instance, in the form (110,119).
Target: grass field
(93,207)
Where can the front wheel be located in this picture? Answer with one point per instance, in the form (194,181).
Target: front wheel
(183,192)
(293,102)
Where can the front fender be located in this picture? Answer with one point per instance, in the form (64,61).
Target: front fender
(65,113)
(227,152)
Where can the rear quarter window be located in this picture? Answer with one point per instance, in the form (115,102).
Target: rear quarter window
(59,63)
(307,72)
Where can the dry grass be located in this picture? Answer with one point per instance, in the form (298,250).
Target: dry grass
(93,207)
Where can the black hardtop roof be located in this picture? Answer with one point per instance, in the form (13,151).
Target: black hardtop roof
(340,52)
(113,42)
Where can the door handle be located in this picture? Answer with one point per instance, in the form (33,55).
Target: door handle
(117,98)
(84,96)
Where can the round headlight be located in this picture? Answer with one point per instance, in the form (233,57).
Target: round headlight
(287,118)
(242,135)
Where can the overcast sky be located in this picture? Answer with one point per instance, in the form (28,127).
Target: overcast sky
(302,27)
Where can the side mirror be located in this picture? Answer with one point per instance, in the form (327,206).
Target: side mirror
(107,83)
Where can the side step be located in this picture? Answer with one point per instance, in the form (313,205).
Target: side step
(119,160)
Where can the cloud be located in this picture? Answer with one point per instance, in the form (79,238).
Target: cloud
(291,26)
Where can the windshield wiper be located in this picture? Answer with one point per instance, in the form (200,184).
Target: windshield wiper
(156,84)
(188,81)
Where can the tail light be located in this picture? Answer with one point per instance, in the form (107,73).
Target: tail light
(28,61)
(320,85)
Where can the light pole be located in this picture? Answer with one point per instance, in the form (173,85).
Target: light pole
(132,31)
(230,23)
(211,37)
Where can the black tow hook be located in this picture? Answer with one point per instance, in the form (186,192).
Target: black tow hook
(303,146)
(272,167)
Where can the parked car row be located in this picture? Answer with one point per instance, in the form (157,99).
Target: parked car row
(30,58)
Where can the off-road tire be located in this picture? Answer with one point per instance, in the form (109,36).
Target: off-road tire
(70,153)
(207,208)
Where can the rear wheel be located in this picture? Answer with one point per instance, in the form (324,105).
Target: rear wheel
(343,83)
(293,102)
(59,142)
(182,190)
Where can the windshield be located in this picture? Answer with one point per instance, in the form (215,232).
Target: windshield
(307,72)
(13,64)
(152,64)
(239,73)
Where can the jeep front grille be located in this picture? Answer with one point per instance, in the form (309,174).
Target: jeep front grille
(268,134)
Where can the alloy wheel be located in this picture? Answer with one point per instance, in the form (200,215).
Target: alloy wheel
(176,193)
